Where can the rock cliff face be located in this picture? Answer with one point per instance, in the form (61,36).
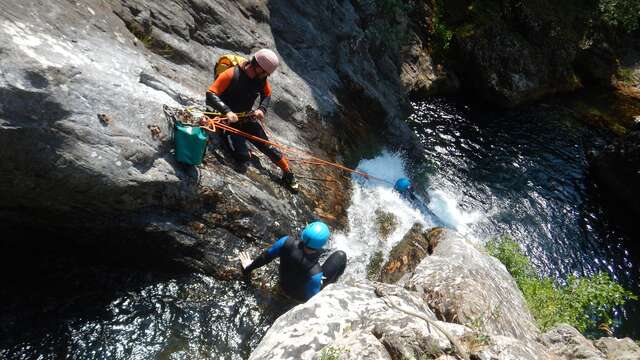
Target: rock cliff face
(484,313)
(66,166)
(513,52)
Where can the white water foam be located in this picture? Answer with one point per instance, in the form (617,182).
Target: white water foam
(362,240)
(446,207)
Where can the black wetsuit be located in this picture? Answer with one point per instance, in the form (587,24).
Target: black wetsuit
(301,276)
(238,96)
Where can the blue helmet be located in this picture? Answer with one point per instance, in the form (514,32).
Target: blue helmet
(402,185)
(315,235)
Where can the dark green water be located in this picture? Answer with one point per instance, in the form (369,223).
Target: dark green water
(76,305)
(526,172)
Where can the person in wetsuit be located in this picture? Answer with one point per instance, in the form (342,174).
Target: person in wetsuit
(235,91)
(301,276)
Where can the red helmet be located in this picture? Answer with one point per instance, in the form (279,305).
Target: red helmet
(267,59)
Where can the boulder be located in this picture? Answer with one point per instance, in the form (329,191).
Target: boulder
(464,285)
(338,311)
(508,348)
(406,255)
(618,349)
(354,345)
(566,342)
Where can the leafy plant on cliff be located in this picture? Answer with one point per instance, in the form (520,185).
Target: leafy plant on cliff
(441,32)
(583,302)
(331,353)
(626,75)
(623,14)
(375,265)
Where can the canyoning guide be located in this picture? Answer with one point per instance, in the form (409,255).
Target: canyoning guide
(301,276)
(235,91)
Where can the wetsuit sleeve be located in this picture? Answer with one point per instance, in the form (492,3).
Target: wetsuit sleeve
(267,256)
(265,97)
(218,87)
(313,286)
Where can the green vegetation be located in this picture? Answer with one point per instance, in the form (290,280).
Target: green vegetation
(626,75)
(148,41)
(441,32)
(622,14)
(583,302)
(331,353)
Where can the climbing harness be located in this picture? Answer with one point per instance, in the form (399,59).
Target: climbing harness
(194,109)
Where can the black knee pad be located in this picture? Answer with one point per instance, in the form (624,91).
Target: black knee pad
(341,256)
(334,267)
(241,156)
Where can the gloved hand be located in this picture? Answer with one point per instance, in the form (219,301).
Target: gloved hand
(245,261)
(259,114)
(231,117)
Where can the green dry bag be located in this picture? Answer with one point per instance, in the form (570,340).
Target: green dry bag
(191,142)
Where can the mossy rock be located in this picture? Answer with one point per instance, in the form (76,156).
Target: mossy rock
(615,110)
(386,223)
(375,265)
(406,255)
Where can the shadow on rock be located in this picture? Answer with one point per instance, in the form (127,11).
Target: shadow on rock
(20,107)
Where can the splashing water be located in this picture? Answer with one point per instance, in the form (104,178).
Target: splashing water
(362,240)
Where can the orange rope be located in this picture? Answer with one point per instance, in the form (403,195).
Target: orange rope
(217,123)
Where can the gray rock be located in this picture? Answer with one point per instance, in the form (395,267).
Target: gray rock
(466,286)
(413,338)
(567,343)
(354,345)
(507,348)
(618,349)
(334,313)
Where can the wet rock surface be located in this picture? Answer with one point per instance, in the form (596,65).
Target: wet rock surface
(406,255)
